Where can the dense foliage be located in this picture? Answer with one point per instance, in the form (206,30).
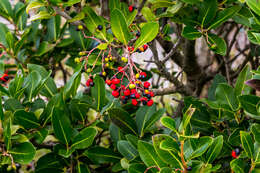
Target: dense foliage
(77,98)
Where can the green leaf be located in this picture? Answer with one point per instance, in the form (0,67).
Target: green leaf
(92,21)
(207,11)
(202,144)
(7,133)
(102,155)
(33,5)
(212,90)
(240,83)
(237,166)
(123,120)
(49,161)
(26,119)
(148,155)
(23,153)
(148,32)
(131,17)
(191,1)
(190,33)
(217,44)
(234,138)
(215,149)
(162,3)
(247,143)
(254,5)
(119,26)
(5,5)
(224,15)
(143,114)
(78,17)
(80,107)
(98,92)
(254,37)
(53,28)
(168,156)
(169,123)
(1,109)
(148,14)
(249,104)
(102,46)
(127,149)
(169,143)
(115,133)
(10,40)
(61,126)
(255,129)
(114,4)
(40,15)
(84,139)
(155,117)
(70,88)
(12,105)
(186,118)
(136,168)
(225,95)
(32,81)
(132,139)
(49,89)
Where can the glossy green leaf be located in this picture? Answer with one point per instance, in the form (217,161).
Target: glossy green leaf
(236,166)
(40,15)
(123,120)
(53,28)
(207,11)
(169,143)
(12,105)
(78,17)
(32,81)
(255,129)
(225,95)
(215,149)
(186,118)
(161,3)
(247,143)
(5,5)
(224,15)
(148,14)
(132,139)
(115,133)
(217,44)
(102,155)
(119,26)
(33,5)
(240,83)
(61,126)
(249,104)
(149,155)
(84,139)
(202,144)
(49,161)
(254,5)
(148,32)
(254,37)
(114,4)
(136,168)
(190,33)
(169,123)
(99,93)
(92,21)
(212,90)
(23,152)
(44,47)
(131,17)
(127,149)
(143,114)
(191,1)
(27,120)
(155,117)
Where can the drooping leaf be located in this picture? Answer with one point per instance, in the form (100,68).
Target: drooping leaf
(169,123)
(99,93)
(40,15)
(240,83)
(119,26)
(148,32)
(247,143)
(215,149)
(127,149)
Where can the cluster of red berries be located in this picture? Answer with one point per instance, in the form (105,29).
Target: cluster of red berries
(138,92)
(90,82)
(139,50)
(235,153)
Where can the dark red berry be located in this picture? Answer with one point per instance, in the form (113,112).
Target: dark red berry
(115,81)
(150,103)
(147,84)
(133,91)
(100,27)
(234,154)
(113,86)
(115,93)
(152,94)
(131,8)
(134,102)
(108,82)
(137,95)
(145,47)
(127,92)
(120,69)
(143,74)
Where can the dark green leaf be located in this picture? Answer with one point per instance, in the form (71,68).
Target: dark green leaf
(155,117)
(217,44)
(247,143)
(237,166)
(255,129)
(84,139)
(127,149)
(23,153)
(26,119)
(215,149)
(207,10)
(99,93)
(190,33)
(169,123)
(249,103)
(254,5)
(240,83)
(254,37)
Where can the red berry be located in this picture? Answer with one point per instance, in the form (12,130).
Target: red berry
(113,86)
(122,97)
(115,93)
(108,82)
(122,87)
(145,47)
(129,48)
(115,81)
(87,83)
(120,69)
(127,92)
(137,95)
(143,99)
(134,102)
(150,103)
(234,154)
(133,91)
(130,8)
(143,74)
(147,84)
(151,94)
